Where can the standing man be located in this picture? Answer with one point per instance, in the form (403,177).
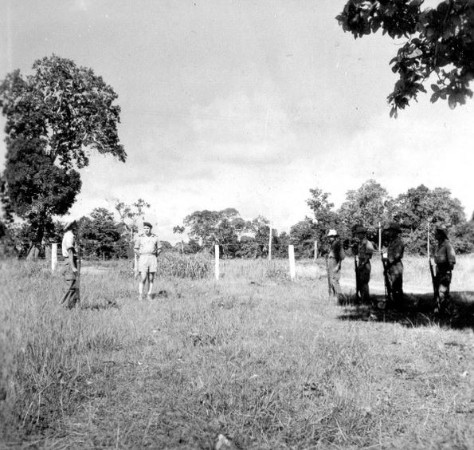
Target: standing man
(71,267)
(394,264)
(364,254)
(334,257)
(147,248)
(445,259)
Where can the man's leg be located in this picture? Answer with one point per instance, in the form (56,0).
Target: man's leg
(334,276)
(364,278)
(397,285)
(141,284)
(151,279)
(444,299)
(73,292)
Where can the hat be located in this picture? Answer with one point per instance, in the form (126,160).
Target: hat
(332,233)
(442,230)
(147,224)
(394,226)
(360,229)
(70,224)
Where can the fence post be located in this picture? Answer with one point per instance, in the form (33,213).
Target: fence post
(380,237)
(291,256)
(216,270)
(54,256)
(315,250)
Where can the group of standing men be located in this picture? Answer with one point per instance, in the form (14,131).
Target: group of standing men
(444,257)
(147,247)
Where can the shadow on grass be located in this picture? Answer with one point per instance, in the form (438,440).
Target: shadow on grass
(417,311)
(107,304)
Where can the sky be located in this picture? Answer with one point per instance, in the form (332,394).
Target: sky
(242,104)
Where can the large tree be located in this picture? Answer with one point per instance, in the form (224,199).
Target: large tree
(54,118)
(420,208)
(101,235)
(439,45)
(38,189)
(368,205)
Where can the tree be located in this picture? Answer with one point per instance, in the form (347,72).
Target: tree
(54,119)
(101,235)
(212,227)
(420,207)
(38,189)
(303,235)
(367,206)
(440,42)
(325,217)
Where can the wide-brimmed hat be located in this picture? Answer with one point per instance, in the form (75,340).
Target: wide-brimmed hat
(360,229)
(332,233)
(147,224)
(70,224)
(442,230)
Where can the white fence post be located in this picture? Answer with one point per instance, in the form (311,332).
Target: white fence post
(54,256)
(291,256)
(315,250)
(216,253)
(380,237)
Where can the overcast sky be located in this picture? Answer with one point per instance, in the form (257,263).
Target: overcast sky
(244,104)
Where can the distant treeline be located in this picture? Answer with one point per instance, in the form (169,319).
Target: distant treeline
(105,234)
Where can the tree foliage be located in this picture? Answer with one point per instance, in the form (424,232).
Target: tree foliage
(439,45)
(67,107)
(54,118)
(367,206)
(37,188)
(101,235)
(420,208)
(325,217)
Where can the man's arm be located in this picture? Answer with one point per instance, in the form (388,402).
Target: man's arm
(72,261)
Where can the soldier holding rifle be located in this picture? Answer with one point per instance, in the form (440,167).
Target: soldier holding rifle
(362,267)
(393,263)
(334,257)
(445,259)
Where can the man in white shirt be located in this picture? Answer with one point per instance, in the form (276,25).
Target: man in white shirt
(71,273)
(147,248)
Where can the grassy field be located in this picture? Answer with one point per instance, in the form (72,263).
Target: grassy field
(267,362)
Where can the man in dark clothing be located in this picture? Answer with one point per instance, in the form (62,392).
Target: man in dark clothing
(445,259)
(365,251)
(394,264)
(70,265)
(334,257)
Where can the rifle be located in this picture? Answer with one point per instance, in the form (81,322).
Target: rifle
(79,263)
(328,275)
(432,270)
(388,287)
(356,269)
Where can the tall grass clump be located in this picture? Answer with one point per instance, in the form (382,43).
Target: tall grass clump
(184,266)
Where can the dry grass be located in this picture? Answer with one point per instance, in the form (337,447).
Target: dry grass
(267,362)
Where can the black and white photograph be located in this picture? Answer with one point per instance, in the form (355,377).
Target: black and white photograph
(236,224)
